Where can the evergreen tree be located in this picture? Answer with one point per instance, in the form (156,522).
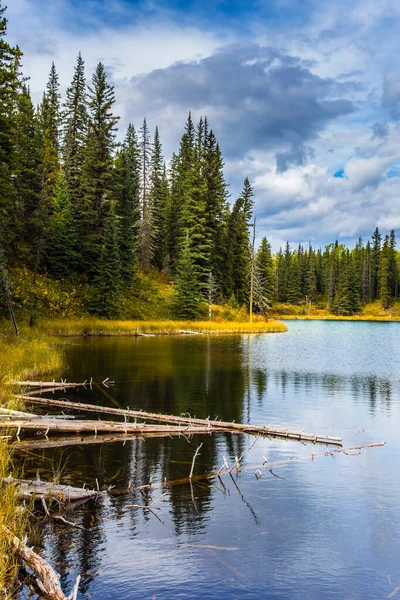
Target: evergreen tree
(97,176)
(239,247)
(311,276)
(146,229)
(127,174)
(375,259)
(51,108)
(75,121)
(265,271)
(26,174)
(294,281)
(384,274)
(393,266)
(187,300)
(158,197)
(107,282)
(216,208)
(61,253)
(10,82)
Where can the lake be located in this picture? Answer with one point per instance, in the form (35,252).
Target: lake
(323,525)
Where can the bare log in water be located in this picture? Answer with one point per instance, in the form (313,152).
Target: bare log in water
(49,491)
(47,579)
(183,420)
(48,424)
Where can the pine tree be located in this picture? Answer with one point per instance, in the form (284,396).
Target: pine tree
(107,282)
(239,248)
(393,266)
(75,121)
(97,175)
(342,301)
(294,280)
(384,274)
(61,252)
(265,271)
(193,218)
(26,174)
(216,208)
(158,195)
(311,276)
(187,300)
(146,229)
(127,173)
(10,82)
(51,108)
(375,258)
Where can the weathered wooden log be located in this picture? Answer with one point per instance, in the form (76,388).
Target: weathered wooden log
(49,424)
(49,384)
(56,441)
(48,490)
(227,426)
(8,412)
(47,579)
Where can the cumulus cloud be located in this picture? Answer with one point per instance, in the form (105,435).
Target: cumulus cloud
(315,94)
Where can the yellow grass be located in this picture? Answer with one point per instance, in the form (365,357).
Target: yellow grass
(369,312)
(102,327)
(20,359)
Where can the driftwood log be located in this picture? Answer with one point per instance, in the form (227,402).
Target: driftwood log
(48,581)
(49,491)
(184,420)
(49,424)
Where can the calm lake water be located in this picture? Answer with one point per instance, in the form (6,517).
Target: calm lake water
(321,528)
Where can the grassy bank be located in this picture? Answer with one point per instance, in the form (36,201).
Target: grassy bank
(32,355)
(369,312)
(102,327)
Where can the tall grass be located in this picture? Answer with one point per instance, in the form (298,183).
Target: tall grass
(19,359)
(102,327)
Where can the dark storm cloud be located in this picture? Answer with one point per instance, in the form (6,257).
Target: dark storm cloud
(259,98)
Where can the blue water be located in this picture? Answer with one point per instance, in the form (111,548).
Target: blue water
(321,526)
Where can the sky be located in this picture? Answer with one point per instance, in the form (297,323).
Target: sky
(304,97)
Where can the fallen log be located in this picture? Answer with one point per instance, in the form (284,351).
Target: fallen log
(8,412)
(182,420)
(48,581)
(49,384)
(49,491)
(86,439)
(49,424)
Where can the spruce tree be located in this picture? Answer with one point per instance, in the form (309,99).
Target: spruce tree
(384,274)
(294,280)
(26,174)
(158,198)
(10,85)
(188,298)
(239,248)
(61,249)
(216,207)
(146,229)
(393,266)
(107,282)
(97,174)
(375,259)
(127,174)
(75,121)
(265,271)
(311,276)
(51,108)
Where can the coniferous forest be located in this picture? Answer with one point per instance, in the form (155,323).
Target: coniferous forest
(78,206)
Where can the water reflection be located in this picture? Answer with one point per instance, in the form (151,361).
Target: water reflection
(283,527)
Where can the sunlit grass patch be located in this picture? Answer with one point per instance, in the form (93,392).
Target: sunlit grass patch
(110,328)
(29,356)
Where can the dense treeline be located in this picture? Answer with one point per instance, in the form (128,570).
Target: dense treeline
(77,206)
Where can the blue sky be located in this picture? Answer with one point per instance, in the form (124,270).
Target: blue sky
(304,97)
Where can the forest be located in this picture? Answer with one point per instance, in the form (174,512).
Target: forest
(81,208)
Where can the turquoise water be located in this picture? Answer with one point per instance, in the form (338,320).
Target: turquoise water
(325,526)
